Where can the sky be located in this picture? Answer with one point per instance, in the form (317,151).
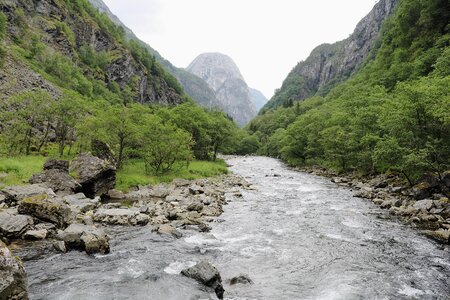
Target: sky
(266,38)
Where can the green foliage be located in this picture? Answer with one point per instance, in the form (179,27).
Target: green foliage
(65,30)
(3,26)
(393,116)
(92,58)
(19,169)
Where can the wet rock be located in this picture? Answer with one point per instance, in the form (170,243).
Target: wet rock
(202,227)
(56,164)
(13,279)
(442,235)
(60,246)
(79,203)
(206,274)
(121,216)
(195,206)
(45,208)
(241,279)
(168,230)
(13,226)
(96,176)
(59,181)
(35,234)
(14,194)
(84,237)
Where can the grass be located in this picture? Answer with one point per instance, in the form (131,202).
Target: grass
(17,170)
(133,173)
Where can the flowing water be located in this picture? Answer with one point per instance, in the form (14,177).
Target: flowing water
(297,236)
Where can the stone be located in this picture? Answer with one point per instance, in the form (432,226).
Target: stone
(121,216)
(79,203)
(14,194)
(241,279)
(35,234)
(168,230)
(84,237)
(88,220)
(58,180)
(60,246)
(442,235)
(116,195)
(180,182)
(56,164)
(196,189)
(48,209)
(423,205)
(159,191)
(13,279)
(206,274)
(195,206)
(13,226)
(96,176)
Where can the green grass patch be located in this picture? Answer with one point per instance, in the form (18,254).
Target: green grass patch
(133,173)
(17,170)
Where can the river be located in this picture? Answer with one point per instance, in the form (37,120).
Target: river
(296,235)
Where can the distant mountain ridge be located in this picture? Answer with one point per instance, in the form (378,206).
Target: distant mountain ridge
(258,98)
(224,77)
(330,64)
(195,87)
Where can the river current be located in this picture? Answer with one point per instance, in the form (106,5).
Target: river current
(296,235)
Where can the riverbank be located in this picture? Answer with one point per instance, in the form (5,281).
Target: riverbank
(72,206)
(423,206)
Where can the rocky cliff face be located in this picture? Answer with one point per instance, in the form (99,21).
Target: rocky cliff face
(63,29)
(224,77)
(194,86)
(328,64)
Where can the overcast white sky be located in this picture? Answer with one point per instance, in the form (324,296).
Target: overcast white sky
(266,38)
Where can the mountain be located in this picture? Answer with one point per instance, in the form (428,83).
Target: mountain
(195,87)
(224,78)
(69,45)
(257,98)
(330,64)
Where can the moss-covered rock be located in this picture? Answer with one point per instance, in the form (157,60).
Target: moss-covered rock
(13,279)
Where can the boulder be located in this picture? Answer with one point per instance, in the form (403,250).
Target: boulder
(159,191)
(442,235)
(45,208)
(14,194)
(180,182)
(121,216)
(35,234)
(60,246)
(195,206)
(79,203)
(13,279)
(241,279)
(13,226)
(423,205)
(58,180)
(196,189)
(206,274)
(56,164)
(168,230)
(116,195)
(85,237)
(96,176)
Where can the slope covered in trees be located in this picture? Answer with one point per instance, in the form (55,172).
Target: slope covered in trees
(393,115)
(69,77)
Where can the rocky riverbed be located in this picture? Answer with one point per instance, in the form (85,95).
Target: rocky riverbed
(58,212)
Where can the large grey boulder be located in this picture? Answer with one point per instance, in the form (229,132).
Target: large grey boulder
(14,194)
(85,237)
(12,225)
(96,176)
(58,180)
(79,203)
(56,164)
(206,274)
(46,208)
(13,279)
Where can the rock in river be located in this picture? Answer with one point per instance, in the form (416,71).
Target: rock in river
(12,225)
(46,208)
(206,274)
(84,237)
(13,279)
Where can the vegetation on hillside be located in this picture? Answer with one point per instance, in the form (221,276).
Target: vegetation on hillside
(161,141)
(393,116)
